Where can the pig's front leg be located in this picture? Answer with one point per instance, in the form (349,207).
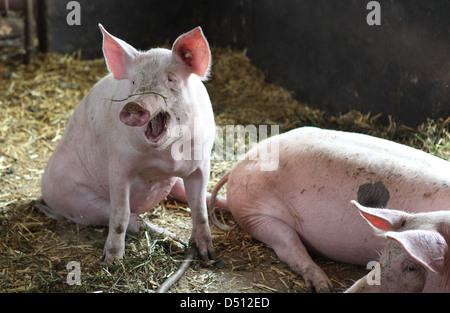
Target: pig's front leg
(195,186)
(119,216)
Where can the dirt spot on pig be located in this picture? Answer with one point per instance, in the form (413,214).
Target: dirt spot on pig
(373,195)
(430,194)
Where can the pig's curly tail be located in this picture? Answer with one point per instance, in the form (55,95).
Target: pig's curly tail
(212,205)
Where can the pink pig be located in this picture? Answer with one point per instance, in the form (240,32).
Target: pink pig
(115,159)
(304,202)
(416,256)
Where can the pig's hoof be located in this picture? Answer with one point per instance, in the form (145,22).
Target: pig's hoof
(201,236)
(316,280)
(113,251)
(109,259)
(206,250)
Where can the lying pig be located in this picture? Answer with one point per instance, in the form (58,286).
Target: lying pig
(116,157)
(416,256)
(305,202)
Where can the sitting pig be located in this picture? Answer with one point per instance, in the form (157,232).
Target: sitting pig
(416,256)
(304,202)
(119,155)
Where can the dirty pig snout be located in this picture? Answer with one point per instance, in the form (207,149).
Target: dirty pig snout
(133,114)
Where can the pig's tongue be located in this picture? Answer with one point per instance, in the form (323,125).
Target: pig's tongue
(157,126)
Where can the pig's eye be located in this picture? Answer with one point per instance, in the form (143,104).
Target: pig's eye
(410,266)
(171,78)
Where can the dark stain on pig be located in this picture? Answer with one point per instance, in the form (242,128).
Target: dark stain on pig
(119,229)
(430,194)
(373,195)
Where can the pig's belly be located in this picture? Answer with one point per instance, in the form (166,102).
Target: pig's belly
(146,193)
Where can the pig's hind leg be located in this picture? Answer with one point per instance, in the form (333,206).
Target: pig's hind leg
(83,207)
(289,248)
(43,207)
(179,193)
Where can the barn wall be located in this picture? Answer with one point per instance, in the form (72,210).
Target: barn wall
(324,51)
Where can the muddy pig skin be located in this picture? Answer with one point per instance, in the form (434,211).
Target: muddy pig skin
(119,155)
(415,257)
(305,202)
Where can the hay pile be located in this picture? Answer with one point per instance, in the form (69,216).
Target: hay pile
(35,250)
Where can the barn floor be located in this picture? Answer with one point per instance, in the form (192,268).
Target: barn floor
(35,250)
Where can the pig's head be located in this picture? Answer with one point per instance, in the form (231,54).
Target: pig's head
(164,87)
(415,258)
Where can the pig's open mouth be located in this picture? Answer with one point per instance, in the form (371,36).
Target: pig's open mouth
(157,127)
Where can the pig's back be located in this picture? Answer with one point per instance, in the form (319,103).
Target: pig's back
(359,150)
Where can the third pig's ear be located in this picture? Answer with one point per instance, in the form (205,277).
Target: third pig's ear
(119,55)
(192,50)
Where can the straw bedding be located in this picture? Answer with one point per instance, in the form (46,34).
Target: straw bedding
(35,103)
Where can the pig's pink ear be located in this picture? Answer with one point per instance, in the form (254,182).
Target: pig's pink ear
(118,54)
(382,219)
(133,114)
(192,49)
(427,247)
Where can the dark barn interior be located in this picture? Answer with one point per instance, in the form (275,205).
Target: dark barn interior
(325,52)
(291,63)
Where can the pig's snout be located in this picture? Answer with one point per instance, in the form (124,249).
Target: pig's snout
(133,114)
